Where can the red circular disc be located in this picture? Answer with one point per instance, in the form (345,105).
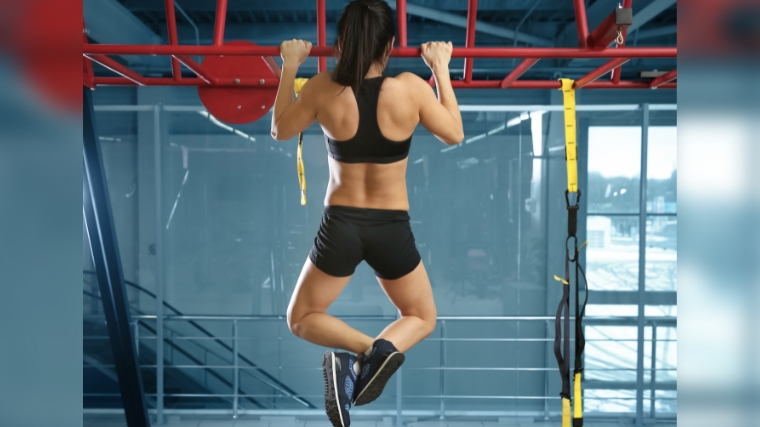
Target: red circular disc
(237,104)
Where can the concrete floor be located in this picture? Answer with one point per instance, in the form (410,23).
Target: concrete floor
(173,421)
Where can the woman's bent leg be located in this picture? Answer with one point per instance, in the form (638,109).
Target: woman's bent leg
(307,317)
(413,297)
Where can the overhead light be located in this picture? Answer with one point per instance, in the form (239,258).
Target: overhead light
(216,121)
(514,122)
(475,138)
(449,148)
(494,130)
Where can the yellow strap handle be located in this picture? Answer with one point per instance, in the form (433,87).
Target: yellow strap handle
(565,412)
(578,398)
(299,154)
(571,148)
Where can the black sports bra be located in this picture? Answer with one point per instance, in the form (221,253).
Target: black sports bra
(368,145)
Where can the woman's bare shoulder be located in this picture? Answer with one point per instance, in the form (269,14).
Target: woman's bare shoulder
(410,80)
(411,85)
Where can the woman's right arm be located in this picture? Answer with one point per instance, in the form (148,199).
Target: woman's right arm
(439,116)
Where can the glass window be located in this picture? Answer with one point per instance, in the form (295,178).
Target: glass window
(614,166)
(662,169)
(662,253)
(612,256)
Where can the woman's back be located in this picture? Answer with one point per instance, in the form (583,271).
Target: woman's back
(367,184)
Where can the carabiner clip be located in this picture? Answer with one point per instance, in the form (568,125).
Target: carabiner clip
(620,39)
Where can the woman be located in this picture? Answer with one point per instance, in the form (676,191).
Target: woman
(368,121)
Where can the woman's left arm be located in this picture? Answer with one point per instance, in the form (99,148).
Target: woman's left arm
(291,116)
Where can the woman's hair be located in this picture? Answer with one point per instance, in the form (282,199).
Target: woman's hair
(364,31)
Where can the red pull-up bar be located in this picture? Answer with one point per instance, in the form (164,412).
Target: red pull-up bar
(322,51)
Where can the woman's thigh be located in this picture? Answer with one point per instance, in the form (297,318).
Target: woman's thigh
(314,292)
(412,294)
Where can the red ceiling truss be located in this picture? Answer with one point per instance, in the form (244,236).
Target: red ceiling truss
(591,45)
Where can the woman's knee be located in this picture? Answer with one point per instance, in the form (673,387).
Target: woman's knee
(294,317)
(297,323)
(429,322)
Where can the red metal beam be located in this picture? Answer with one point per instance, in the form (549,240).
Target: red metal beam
(599,72)
(472,12)
(401,18)
(89,74)
(581,22)
(663,79)
(407,52)
(196,68)
(118,69)
(221,19)
(321,34)
(475,84)
(165,81)
(517,72)
(171,24)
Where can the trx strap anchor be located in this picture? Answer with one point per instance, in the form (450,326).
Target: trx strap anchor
(299,155)
(562,319)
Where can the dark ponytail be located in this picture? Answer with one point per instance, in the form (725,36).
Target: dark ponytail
(364,31)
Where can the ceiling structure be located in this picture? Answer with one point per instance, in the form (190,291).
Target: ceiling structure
(500,23)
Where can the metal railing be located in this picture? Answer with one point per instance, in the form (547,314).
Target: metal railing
(442,338)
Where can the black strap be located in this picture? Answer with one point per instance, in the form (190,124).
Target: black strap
(564,306)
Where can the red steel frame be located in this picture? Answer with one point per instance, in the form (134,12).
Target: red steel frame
(181,54)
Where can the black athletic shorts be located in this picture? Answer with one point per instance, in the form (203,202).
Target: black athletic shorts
(381,237)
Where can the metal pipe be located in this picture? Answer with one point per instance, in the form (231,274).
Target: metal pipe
(599,72)
(399,385)
(195,67)
(171,24)
(159,267)
(522,21)
(581,22)
(472,14)
(517,72)
(617,320)
(235,368)
(118,68)
(663,79)
(653,372)
(401,22)
(137,340)
(475,84)
(190,21)
(321,39)
(163,81)
(405,52)
(221,19)
(642,265)
(443,364)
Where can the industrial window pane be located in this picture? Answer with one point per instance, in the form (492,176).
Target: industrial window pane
(612,256)
(662,169)
(662,253)
(614,167)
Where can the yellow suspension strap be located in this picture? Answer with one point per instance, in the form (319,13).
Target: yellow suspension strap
(299,155)
(572,192)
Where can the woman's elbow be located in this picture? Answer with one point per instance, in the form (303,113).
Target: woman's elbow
(279,135)
(455,139)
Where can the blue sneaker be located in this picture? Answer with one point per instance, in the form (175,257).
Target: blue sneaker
(377,368)
(340,379)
